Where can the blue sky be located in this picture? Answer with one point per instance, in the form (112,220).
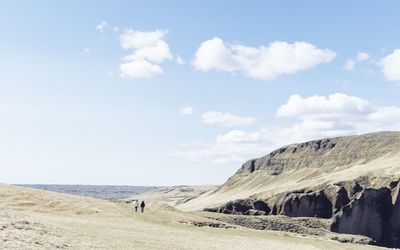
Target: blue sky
(255,76)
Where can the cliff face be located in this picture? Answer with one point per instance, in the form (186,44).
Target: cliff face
(325,154)
(354,181)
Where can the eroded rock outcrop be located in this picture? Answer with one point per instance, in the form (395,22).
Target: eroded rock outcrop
(340,199)
(325,154)
(367,214)
(353,181)
(321,203)
(246,207)
(372,212)
(314,204)
(393,229)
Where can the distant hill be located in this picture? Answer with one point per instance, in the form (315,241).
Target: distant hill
(105,192)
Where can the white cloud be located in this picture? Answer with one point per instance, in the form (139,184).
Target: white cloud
(140,69)
(338,114)
(149,49)
(157,52)
(239,136)
(314,117)
(351,64)
(186,110)
(391,66)
(226,119)
(133,39)
(362,56)
(263,62)
(389,113)
(336,104)
(102,26)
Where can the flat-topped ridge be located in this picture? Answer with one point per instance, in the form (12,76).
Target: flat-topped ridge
(325,154)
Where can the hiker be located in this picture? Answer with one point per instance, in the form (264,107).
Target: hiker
(142,205)
(136,205)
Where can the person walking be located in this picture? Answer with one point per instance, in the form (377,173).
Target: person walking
(136,205)
(142,205)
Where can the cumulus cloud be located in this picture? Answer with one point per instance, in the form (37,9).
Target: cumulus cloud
(102,26)
(186,110)
(362,56)
(133,39)
(226,119)
(350,64)
(391,66)
(263,62)
(148,50)
(338,114)
(334,105)
(140,69)
(313,117)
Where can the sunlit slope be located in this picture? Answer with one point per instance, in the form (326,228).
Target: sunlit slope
(309,164)
(26,199)
(34,219)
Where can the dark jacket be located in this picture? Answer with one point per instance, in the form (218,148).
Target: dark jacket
(142,204)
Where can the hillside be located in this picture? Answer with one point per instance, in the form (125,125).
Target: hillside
(35,219)
(351,181)
(307,165)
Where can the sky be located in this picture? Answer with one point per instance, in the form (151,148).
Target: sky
(184,92)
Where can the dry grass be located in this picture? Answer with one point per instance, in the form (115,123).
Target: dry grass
(34,219)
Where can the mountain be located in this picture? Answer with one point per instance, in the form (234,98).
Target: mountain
(351,181)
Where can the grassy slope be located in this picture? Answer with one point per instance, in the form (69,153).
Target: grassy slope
(241,186)
(34,219)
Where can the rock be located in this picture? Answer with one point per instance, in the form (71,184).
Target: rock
(394,221)
(211,209)
(341,199)
(261,206)
(356,239)
(325,154)
(367,214)
(239,207)
(274,210)
(234,207)
(353,182)
(246,207)
(254,212)
(314,204)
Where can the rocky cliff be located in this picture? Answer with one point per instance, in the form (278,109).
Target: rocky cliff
(325,154)
(352,181)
